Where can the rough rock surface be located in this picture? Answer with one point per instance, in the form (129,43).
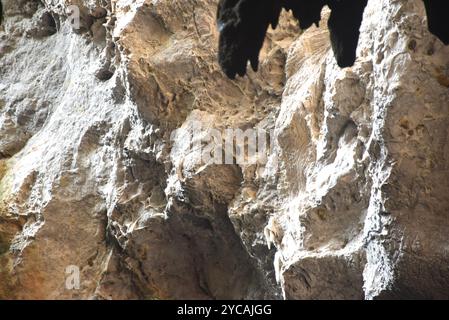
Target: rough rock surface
(96,173)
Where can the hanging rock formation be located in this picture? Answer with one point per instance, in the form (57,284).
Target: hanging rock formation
(243,25)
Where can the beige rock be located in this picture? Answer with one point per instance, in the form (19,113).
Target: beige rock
(98,174)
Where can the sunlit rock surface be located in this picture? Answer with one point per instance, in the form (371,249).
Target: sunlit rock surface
(350,200)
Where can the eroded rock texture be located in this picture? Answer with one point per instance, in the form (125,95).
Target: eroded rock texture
(96,173)
(244,23)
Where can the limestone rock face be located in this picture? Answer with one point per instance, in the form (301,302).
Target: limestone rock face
(106,192)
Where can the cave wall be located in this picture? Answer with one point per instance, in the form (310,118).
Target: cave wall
(96,169)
